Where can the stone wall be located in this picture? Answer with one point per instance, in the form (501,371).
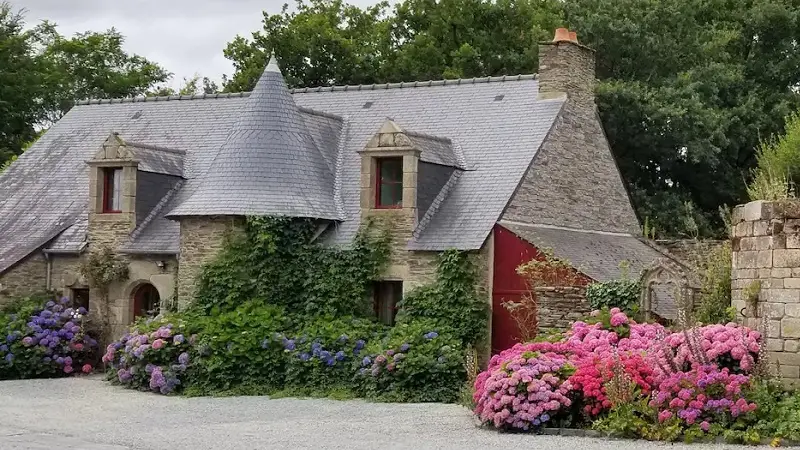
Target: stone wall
(29,276)
(202,238)
(560,306)
(691,251)
(766,278)
(573,180)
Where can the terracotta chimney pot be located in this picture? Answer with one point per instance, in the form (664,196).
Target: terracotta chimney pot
(562,34)
(573,36)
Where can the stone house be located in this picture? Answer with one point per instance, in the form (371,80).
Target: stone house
(499,166)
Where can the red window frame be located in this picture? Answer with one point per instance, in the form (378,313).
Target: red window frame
(108,189)
(379,182)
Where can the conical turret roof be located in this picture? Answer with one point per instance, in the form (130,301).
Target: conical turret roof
(269,165)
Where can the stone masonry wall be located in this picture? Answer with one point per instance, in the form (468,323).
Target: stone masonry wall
(766,278)
(573,180)
(201,240)
(692,251)
(560,306)
(25,278)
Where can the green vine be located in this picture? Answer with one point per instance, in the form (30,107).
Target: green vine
(102,269)
(278,261)
(455,300)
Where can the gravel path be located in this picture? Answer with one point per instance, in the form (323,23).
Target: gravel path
(88,414)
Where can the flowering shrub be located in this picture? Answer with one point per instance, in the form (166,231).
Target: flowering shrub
(524,388)
(154,355)
(325,352)
(236,349)
(416,362)
(638,379)
(702,396)
(46,341)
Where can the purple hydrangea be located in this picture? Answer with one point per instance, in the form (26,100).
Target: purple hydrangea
(178,339)
(404,348)
(183,358)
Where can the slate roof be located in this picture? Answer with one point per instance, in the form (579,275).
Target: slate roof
(269,165)
(595,254)
(157,159)
(491,127)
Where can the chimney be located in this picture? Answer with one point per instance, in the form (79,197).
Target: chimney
(565,66)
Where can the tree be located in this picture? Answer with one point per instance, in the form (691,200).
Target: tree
(688,87)
(190,86)
(94,65)
(22,84)
(42,74)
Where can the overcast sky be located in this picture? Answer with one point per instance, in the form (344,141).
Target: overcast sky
(183,36)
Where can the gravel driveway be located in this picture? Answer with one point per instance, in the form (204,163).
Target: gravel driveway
(88,414)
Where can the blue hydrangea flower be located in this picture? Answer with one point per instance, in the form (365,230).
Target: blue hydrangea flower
(324,354)
(343,338)
(265,343)
(50,304)
(360,344)
(340,355)
(3,348)
(536,422)
(366,361)
(305,357)
(82,310)
(330,362)
(431,335)
(10,357)
(404,347)
(178,339)
(46,359)
(544,417)
(183,358)
(289,344)
(10,338)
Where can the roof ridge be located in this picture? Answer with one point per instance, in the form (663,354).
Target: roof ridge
(317,112)
(344,133)
(558,227)
(427,136)
(437,202)
(155,147)
(304,90)
(414,84)
(156,209)
(161,98)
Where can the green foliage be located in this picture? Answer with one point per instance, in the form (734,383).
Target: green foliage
(276,261)
(419,361)
(102,268)
(637,419)
(42,73)
(778,169)
(313,363)
(623,294)
(236,349)
(715,294)
(453,301)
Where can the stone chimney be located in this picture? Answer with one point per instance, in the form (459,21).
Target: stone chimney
(566,66)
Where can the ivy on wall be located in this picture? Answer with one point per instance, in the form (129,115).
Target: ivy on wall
(277,261)
(101,269)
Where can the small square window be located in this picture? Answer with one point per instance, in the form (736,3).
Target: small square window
(389,183)
(112,190)
(386,298)
(80,298)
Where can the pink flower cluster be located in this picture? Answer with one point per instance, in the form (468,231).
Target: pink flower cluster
(700,395)
(526,389)
(655,358)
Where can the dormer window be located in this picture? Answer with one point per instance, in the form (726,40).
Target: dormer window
(112,190)
(389,183)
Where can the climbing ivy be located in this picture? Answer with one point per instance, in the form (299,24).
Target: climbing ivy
(278,261)
(455,300)
(102,268)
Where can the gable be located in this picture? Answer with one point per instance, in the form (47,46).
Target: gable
(574,181)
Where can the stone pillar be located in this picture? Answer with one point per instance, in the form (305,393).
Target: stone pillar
(766,278)
(202,238)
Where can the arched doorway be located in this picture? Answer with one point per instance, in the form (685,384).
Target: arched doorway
(145,301)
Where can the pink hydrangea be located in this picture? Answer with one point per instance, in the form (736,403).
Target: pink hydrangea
(158,343)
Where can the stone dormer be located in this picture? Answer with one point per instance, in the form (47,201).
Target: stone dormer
(112,193)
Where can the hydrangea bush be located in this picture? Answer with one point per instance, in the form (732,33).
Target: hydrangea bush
(525,388)
(417,361)
(692,380)
(46,341)
(155,355)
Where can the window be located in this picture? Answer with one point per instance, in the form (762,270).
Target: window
(387,295)
(112,190)
(389,189)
